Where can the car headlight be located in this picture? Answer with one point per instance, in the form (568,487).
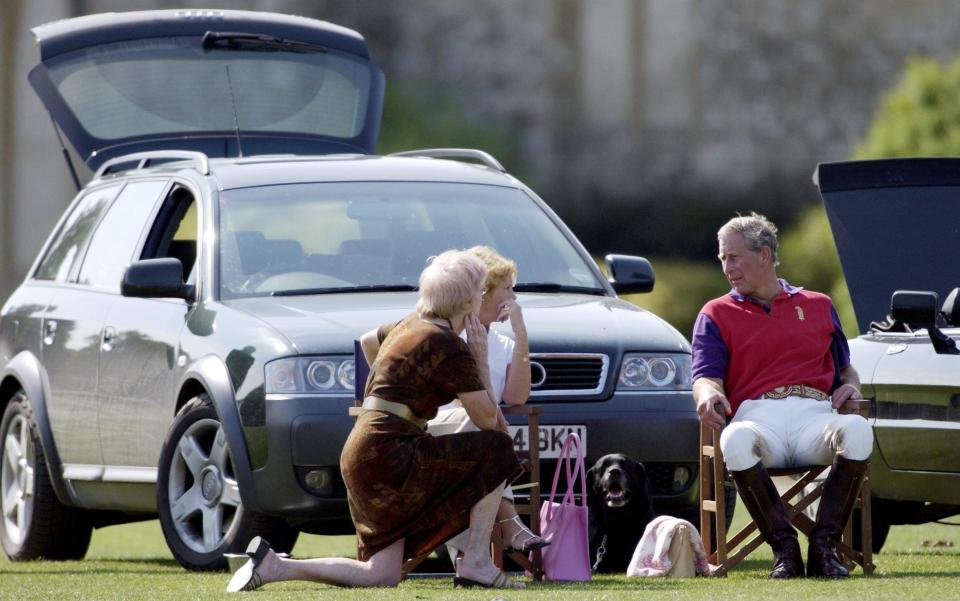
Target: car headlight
(310,375)
(645,371)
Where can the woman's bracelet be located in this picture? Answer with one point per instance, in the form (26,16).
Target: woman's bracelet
(524,356)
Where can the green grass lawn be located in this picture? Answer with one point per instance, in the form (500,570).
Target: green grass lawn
(131,562)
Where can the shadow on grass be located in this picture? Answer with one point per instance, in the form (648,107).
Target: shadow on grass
(59,567)
(918,574)
(155,561)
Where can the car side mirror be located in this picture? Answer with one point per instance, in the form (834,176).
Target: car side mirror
(916,309)
(156,278)
(920,310)
(629,274)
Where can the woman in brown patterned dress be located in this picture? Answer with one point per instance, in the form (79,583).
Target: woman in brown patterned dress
(409,491)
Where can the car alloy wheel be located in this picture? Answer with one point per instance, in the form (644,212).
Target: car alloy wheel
(203,493)
(17,479)
(33,522)
(198,498)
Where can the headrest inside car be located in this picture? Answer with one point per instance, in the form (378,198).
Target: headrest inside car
(951,310)
(916,308)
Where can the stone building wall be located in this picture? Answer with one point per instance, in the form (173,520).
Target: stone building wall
(643,122)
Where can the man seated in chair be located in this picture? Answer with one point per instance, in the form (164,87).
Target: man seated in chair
(774,358)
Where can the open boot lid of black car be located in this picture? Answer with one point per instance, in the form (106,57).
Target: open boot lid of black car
(222,82)
(896,224)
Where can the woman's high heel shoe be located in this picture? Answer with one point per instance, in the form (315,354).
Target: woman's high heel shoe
(247,578)
(531,543)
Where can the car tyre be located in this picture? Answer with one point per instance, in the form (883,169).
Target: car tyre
(198,498)
(33,522)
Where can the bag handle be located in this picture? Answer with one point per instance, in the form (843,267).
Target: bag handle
(570,442)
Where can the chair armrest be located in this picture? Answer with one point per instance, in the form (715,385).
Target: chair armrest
(521,409)
(862,408)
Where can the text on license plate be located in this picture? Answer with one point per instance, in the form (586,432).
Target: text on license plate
(551,439)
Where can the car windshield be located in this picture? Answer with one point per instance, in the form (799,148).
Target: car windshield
(346,237)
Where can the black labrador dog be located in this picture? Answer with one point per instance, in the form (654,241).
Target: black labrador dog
(620,507)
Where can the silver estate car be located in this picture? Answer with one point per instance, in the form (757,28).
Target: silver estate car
(896,229)
(183,345)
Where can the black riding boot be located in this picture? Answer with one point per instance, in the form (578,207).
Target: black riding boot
(839,494)
(762,500)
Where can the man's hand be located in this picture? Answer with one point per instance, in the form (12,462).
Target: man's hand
(712,411)
(712,403)
(845,396)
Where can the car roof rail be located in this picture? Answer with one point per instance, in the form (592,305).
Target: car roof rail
(143,160)
(454,153)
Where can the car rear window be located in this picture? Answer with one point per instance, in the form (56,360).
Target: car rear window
(172,85)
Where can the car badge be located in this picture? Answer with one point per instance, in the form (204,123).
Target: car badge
(893,349)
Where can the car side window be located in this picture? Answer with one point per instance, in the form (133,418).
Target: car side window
(116,238)
(174,232)
(73,235)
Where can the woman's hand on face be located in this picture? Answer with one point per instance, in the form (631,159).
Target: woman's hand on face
(476,339)
(511,310)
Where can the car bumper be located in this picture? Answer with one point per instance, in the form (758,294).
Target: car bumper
(660,430)
(301,479)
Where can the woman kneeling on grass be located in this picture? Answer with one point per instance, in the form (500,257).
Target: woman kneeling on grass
(409,491)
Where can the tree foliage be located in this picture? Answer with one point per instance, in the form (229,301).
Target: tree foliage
(422,116)
(920,116)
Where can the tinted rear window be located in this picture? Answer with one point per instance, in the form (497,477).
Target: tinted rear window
(172,85)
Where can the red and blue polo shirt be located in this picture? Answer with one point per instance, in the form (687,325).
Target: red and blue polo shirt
(798,339)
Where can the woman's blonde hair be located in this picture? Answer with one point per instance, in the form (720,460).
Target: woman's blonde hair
(500,269)
(450,283)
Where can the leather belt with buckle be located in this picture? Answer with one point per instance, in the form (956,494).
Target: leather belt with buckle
(375,403)
(782,392)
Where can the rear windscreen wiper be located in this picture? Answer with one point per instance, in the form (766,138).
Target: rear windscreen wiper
(555,287)
(374,288)
(255,41)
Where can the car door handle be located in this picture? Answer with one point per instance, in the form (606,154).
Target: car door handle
(49,331)
(106,343)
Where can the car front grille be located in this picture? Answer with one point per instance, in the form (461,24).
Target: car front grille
(662,477)
(567,373)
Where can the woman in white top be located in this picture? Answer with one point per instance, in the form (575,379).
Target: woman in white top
(509,362)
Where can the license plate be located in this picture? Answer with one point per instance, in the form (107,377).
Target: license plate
(551,439)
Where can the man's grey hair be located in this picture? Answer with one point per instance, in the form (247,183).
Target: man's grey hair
(757,232)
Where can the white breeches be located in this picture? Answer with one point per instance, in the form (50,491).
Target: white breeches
(452,421)
(793,431)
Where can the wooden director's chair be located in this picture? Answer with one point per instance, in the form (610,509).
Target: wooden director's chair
(529,482)
(723,553)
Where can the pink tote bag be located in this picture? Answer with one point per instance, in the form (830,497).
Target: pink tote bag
(564,524)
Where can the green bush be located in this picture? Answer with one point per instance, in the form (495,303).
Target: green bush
(920,116)
(424,117)
(682,287)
